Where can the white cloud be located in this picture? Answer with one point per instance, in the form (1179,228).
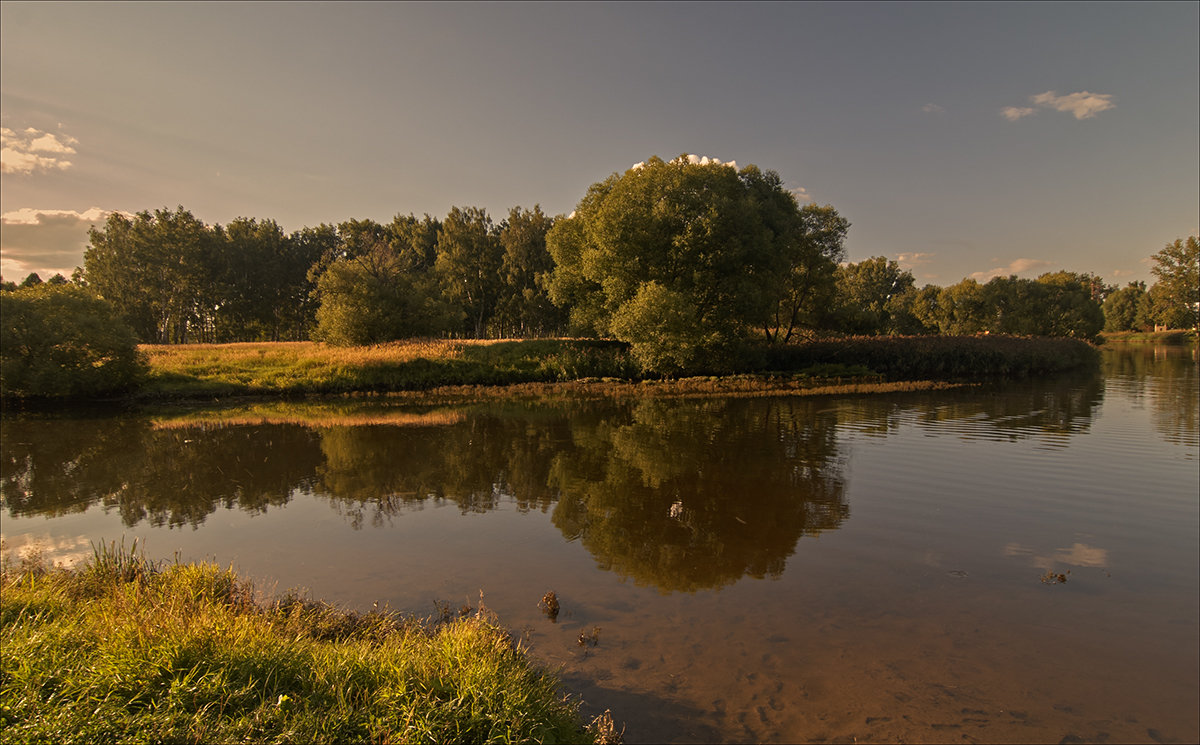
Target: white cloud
(1019,266)
(1082,105)
(801,194)
(914,259)
(48,143)
(1013,113)
(21,152)
(45,241)
(30,216)
(694,160)
(933,108)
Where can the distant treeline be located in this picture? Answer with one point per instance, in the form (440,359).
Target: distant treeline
(684,260)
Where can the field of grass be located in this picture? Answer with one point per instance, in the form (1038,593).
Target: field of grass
(124,650)
(311,367)
(297,368)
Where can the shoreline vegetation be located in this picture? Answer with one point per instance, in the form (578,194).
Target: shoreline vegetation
(122,649)
(1183,336)
(433,370)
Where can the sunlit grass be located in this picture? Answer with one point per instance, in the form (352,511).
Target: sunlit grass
(311,367)
(124,650)
(294,368)
(313,414)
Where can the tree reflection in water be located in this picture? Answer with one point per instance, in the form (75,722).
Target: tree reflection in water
(678,494)
(692,495)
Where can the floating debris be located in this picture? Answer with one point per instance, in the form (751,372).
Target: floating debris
(1053,578)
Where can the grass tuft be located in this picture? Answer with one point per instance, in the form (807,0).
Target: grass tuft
(126,650)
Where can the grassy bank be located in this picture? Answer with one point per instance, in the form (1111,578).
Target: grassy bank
(310,367)
(190,371)
(124,650)
(1149,337)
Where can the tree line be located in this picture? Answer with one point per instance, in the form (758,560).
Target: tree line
(685,260)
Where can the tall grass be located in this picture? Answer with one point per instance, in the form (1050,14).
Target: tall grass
(126,650)
(308,367)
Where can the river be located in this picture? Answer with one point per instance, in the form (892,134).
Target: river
(1006,563)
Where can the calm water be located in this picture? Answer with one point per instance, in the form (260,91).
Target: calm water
(776,569)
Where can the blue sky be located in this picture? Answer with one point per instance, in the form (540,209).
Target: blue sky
(959,139)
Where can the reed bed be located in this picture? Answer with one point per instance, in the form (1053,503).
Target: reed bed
(126,650)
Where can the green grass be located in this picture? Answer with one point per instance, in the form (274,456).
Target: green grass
(300,368)
(125,650)
(308,367)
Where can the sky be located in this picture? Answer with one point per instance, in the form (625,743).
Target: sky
(959,139)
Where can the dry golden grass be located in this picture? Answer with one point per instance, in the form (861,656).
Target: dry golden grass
(308,415)
(168,356)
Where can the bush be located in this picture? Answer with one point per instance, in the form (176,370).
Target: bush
(62,340)
(664,333)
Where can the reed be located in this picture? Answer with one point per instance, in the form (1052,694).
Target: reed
(127,650)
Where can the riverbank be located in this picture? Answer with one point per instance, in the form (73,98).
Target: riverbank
(1149,337)
(450,366)
(125,650)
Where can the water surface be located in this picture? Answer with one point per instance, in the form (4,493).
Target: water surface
(831,568)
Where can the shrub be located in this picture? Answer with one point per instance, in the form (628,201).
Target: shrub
(62,340)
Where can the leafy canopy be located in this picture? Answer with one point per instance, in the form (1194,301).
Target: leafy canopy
(59,340)
(683,259)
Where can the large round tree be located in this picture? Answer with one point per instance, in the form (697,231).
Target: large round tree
(684,259)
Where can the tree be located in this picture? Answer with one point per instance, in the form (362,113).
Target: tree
(60,340)
(1176,294)
(372,298)
(524,307)
(810,278)
(158,271)
(1073,305)
(469,258)
(1127,309)
(870,296)
(696,238)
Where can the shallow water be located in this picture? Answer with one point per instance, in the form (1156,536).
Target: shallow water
(776,569)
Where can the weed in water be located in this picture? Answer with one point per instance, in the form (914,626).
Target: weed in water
(549,605)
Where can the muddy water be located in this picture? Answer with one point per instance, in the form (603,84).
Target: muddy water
(873,568)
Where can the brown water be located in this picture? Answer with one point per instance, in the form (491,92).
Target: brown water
(864,568)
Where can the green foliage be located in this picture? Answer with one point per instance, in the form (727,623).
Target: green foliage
(722,251)
(181,653)
(469,259)
(156,269)
(524,307)
(662,329)
(1127,309)
(869,296)
(810,275)
(62,341)
(371,298)
(1055,304)
(1175,297)
(941,357)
